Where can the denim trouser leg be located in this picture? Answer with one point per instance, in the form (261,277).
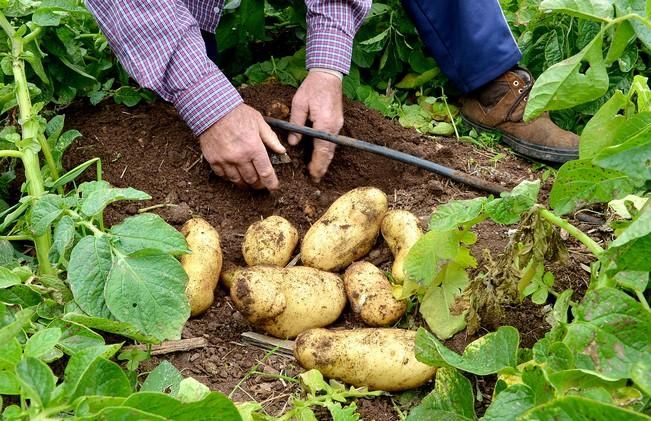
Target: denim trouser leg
(469,39)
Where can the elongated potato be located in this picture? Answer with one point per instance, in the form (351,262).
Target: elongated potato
(346,231)
(401,230)
(371,296)
(377,358)
(284,302)
(269,242)
(202,265)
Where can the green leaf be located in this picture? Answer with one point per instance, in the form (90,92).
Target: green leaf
(112,326)
(413,81)
(440,307)
(564,85)
(451,399)
(600,131)
(599,10)
(9,384)
(75,337)
(36,379)
(631,256)
(10,354)
(46,209)
(101,194)
(64,235)
(486,355)
(455,213)
(103,378)
(149,231)
(577,408)
(8,278)
(80,363)
(42,342)
(510,403)
(88,270)
(638,7)
(579,183)
(73,173)
(63,143)
(610,333)
(22,295)
(624,35)
(22,319)
(148,291)
(191,390)
(127,95)
(511,205)
(170,408)
(90,405)
(639,228)
(632,156)
(164,378)
(640,375)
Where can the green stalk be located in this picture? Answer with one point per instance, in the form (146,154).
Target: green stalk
(30,130)
(592,245)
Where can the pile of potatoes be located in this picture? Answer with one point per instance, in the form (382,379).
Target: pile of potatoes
(287,302)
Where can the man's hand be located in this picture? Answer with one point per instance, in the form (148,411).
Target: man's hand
(319,98)
(235,148)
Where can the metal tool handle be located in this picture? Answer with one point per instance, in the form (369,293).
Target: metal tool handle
(450,173)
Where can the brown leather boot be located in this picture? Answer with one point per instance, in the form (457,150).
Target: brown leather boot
(499,106)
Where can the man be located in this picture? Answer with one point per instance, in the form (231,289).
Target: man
(159,42)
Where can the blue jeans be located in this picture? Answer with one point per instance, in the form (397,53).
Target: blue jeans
(469,39)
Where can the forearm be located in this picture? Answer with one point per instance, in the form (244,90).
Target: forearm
(159,43)
(332,25)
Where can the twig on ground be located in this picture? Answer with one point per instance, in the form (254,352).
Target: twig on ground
(169,347)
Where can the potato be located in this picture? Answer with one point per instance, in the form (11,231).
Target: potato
(346,231)
(371,296)
(284,302)
(269,242)
(377,358)
(202,265)
(401,230)
(228,274)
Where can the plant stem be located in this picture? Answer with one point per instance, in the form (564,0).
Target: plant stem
(17,237)
(643,301)
(592,245)
(11,154)
(30,130)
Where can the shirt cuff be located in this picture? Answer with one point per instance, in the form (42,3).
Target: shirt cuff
(207,101)
(331,49)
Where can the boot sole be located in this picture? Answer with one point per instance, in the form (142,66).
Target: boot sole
(530,150)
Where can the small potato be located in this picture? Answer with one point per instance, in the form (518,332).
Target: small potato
(371,296)
(284,302)
(228,274)
(377,358)
(346,231)
(203,265)
(269,242)
(401,230)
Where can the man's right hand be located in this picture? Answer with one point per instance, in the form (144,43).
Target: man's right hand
(235,148)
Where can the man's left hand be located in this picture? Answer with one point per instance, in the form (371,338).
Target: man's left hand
(319,99)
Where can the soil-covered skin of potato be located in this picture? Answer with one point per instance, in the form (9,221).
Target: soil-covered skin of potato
(149,148)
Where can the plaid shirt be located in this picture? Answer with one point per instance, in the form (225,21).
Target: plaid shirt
(159,43)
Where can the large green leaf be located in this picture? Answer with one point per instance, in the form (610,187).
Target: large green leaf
(46,210)
(610,333)
(104,378)
(37,380)
(75,337)
(164,378)
(486,355)
(600,131)
(633,255)
(456,212)
(90,263)
(577,408)
(10,354)
(581,183)
(148,291)
(451,399)
(641,8)
(511,205)
(632,153)
(510,403)
(439,306)
(97,195)
(9,383)
(166,406)
(564,85)
(42,342)
(149,231)
(599,10)
(80,363)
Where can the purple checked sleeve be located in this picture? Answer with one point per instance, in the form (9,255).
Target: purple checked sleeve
(159,43)
(331,27)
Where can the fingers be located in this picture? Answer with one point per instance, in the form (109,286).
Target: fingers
(270,139)
(298,116)
(248,173)
(322,156)
(265,171)
(233,175)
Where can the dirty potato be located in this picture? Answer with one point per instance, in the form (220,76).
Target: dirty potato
(203,265)
(228,274)
(346,231)
(284,302)
(377,358)
(269,242)
(400,230)
(370,295)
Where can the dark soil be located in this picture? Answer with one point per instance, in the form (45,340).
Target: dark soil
(149,148)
